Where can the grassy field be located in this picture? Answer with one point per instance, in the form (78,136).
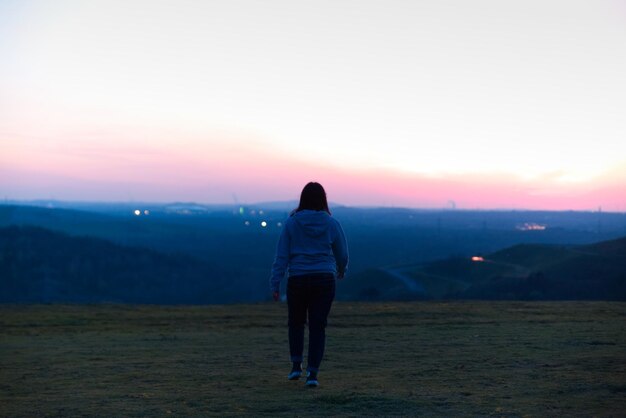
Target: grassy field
(383,359)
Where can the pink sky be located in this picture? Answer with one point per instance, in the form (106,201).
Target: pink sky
(486,104)
(219,173)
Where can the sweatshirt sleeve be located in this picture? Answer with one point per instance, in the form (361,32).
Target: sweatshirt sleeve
(340,249)
(281,260)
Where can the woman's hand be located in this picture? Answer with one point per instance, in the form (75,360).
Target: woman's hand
(276,296)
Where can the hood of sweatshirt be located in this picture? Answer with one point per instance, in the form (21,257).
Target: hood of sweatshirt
(313,223)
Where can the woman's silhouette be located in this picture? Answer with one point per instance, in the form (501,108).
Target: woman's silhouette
(312,248)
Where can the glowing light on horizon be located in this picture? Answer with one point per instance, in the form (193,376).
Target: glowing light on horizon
(477,259)
(137,212)
(263,224)
(531,226)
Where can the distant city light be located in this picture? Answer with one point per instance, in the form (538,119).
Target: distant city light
(247,223)
(261,212)
(137,212)
(263,224)
(241,210)
(146,212)
(477,258)
(279,224)
(531,226)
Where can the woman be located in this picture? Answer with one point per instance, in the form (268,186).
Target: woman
(313,249)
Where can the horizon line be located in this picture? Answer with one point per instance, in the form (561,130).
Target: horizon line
(33,202)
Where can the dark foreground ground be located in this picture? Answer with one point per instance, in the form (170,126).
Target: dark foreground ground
(383,359)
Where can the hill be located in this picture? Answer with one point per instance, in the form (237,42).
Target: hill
(591,272)
(521,272)
(235,240)
(38,265)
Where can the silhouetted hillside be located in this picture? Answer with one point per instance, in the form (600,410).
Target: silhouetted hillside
(521,272)
(38,265)
(596,272)
(392,251)
(233,239)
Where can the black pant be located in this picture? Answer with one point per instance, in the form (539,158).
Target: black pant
(310,294)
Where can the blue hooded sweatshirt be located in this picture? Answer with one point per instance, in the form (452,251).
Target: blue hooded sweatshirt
(310,242)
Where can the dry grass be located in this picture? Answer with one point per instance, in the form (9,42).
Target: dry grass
(383,359)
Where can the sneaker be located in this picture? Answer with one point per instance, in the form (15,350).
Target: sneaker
(294,375)
(296,372)
(311,380)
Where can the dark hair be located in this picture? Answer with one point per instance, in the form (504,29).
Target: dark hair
(313,197)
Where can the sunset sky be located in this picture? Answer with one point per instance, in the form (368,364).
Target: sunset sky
(481,104)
